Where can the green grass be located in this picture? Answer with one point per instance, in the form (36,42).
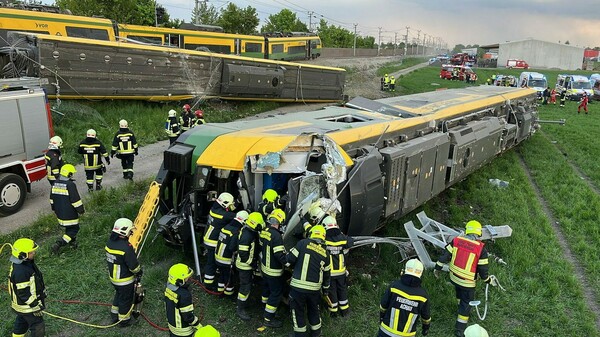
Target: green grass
(543,296)
(392,67)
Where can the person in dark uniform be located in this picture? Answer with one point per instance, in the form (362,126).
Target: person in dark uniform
(563,98)
(199,120)
(245,261)
(272,261)
(186,120)
(220,214)
(26,290)
(54,159)
(310,279)
(337,243)
(93,151)
(172,126)
(67,205)
(125,146)
(226,247)
(403,303)
(178,302)
(124,271)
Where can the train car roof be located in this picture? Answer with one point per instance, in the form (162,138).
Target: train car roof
(226,145)
(64,18)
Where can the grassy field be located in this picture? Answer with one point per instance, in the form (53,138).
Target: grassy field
(392,67)
(543,297)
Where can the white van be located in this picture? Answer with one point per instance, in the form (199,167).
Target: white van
(575,86)
(533,80)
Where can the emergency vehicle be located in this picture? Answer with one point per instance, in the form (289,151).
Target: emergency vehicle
(25,130)
(575,86)
(516,64)
(534,80)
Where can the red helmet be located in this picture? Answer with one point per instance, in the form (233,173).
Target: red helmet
(186,107)
(199,113)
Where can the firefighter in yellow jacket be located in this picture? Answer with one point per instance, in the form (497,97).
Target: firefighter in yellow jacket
(178,302)
(467,258)
(26,290)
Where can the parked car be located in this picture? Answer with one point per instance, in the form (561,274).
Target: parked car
(452,72)
(516,64)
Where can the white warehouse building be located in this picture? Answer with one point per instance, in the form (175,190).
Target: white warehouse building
(541,54)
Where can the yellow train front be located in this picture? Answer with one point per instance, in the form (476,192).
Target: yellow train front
(393,154)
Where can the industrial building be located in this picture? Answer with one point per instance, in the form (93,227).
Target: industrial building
(539,54)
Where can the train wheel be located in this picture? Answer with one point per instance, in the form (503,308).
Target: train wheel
(12,193)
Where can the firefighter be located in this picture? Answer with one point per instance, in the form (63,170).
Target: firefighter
(54,159)
(310,279)
(221,213)
(563,98)
(226,247)
(392,83)
(315,217)
(26,290)
(178,302)
(93,151)
(476,330)
(186,120)
(125,147)
(337,243)
(553,96)
(403,303)
(468,258)
(272,263)
(246,260)
(583,103)
(124,271)
(270,201)
(172,127)
(386,82)
(199,120)
(67,205)
(545,96)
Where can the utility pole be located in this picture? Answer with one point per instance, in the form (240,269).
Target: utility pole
(310,14)
(379,44)
(406,41)
(155,15)
(424,44)
(418,40)
(395,43)
(354,47)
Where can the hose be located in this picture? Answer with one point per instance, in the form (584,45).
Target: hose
(402,244)
(493,281)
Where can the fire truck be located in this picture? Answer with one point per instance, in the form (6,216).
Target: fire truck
(25,130)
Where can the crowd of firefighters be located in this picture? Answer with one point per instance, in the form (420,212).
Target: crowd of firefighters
(240,247)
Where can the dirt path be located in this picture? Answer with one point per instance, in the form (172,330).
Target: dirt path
(361,81)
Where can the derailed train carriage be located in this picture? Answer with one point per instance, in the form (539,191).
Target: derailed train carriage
(393,154)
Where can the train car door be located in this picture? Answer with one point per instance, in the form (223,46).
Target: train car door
(174,40)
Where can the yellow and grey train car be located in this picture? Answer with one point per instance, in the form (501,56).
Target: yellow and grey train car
(393,154)
(90,69)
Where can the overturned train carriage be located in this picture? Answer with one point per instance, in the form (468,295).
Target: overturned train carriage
(394,154)
(84,68)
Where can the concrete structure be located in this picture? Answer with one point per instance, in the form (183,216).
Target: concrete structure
(541,54)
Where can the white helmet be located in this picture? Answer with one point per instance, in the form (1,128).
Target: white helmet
(413,267)
(55,142)
(225,199)
(316,213)
(91,133)
(123,226)
(123,123)
(241,216)
(172,113)
(330,223)
(476,330)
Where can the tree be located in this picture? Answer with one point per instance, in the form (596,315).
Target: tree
(205,15)
(567,42)
(236,20)
(284,21)
(140,12)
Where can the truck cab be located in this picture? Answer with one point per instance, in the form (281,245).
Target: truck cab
(574,85)
(25,130)
(534,80)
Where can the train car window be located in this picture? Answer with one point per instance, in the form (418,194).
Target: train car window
(277,48)
(88,33)
(253,47)
(146,39)
(315,43)
(345,119)
(297,50)
(213,48)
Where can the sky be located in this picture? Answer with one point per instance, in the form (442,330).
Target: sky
(466,22)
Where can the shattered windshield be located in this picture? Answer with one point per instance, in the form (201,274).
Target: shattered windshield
(538,83)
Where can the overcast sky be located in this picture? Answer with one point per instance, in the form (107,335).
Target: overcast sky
(454,21)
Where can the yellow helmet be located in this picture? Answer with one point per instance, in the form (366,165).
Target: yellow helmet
(270,195)
(317,232)
(255,221)
(123,226)
(22,247)
(413,267)
(278,215)
(329,222)
(67,170)
(476,330)
(225,199)
(473,227)
(179,273)
(207,331)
